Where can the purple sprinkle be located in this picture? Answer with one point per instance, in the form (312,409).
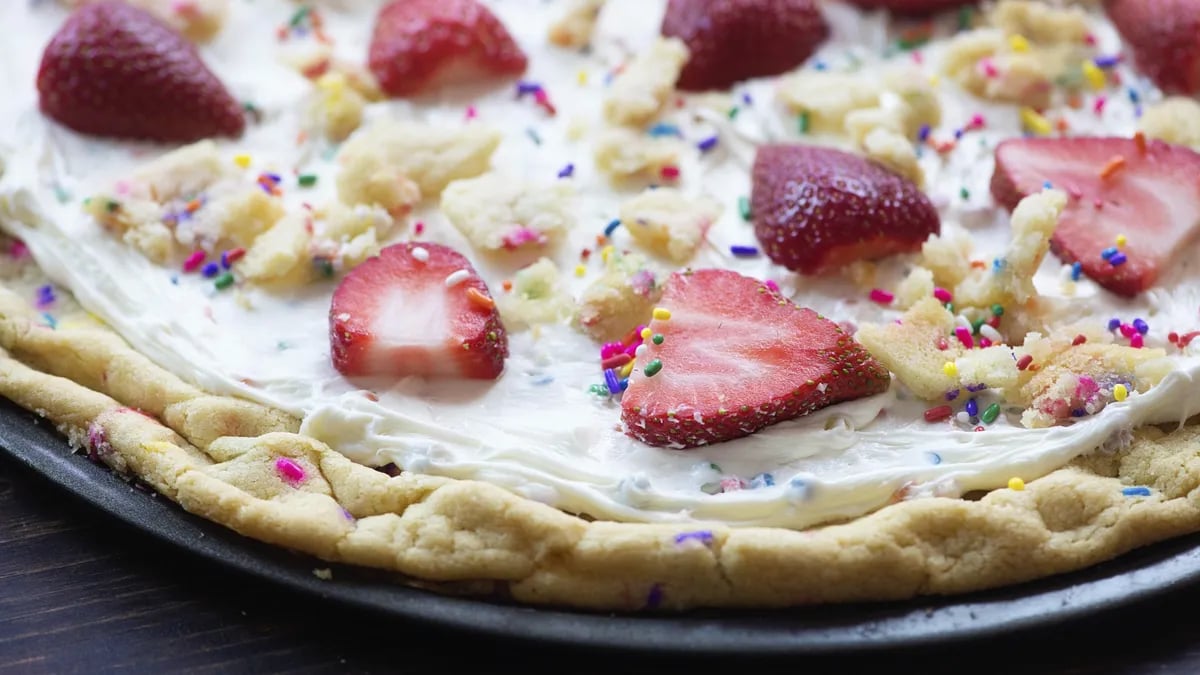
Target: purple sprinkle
(524,88)
(952,394)
(703,536)
(746,99)
(1141,326)
(976,387)
(743,250)
(655,597)
(1117,260)
(274,177)
(210,270)
(923,133)
(1114,323)
(45,296)
(611,381)
(567,171)
(1107,61)
(707,144)
(289,470)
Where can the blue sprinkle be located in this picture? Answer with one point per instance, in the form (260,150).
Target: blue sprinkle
(50,320)
(707,144)
(611,381)
(923,133)
(746,99)
(1141,326)
(820,65)
(1134,97)
(211,270)
(542,380)
(1136,491)
(762,480)
(175,279)
(999,264)
(1078,412)
(567,171)
(1118,260)
(1114,323)
(1107,61)
(624,384)
(1076,271)
(953,394)
(1047,185)
(1109,252)
(934,458)
(703,536)
(972,407)
(958,134)
(743,250)
(611,227)
(664,129)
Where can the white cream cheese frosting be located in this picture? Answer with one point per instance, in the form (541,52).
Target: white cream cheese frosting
(538,430)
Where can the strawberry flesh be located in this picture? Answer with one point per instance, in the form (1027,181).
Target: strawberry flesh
(1164,36)
(1153,199)
(419,45)
(817,209)
(733,40)
(115,70)
(411,310)
(737,357)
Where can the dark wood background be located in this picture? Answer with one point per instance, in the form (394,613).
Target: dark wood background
(80,592)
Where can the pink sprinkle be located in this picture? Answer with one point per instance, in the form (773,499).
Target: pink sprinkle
(943,296)
(193,261)
(543,100)
(1137,341)
(984,343)
(1098,106)
(976,122)
(942,344)
(471,113)
(418,227)
(881,296)
(1074,192)
(611,349)
(1128,331)
(772,285)
(1089,39)
(670,172)
(122,187)
(918,58)
(964,336)
(289,470)
(18,249)
(989,68)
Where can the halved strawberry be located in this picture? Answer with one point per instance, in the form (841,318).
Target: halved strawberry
(733,40)
(116,70)
(912,6)
(817,209)
(1165,38)
(420,44)
(736,357)
(1148,191)
(416,309)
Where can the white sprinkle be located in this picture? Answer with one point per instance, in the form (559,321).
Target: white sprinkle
(962,321)
(991,333)
(640,351)
(421,254)
(456,278)
(344,316)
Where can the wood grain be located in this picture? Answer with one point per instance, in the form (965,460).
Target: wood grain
(82,593)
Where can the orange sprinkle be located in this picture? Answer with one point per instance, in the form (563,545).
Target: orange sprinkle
(480,300)
(1075,101)
(601,240)
(301,137)
(978,264)
(1114,165)
(1062,125)
(1140,139)
(193,206)
(507,285)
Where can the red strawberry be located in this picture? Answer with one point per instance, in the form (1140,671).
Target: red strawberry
(734,40)
(1165,38)
(1151,196)
(817,209)
(115,70)
(416,309)
(912,6)
(737,357)
(420,44)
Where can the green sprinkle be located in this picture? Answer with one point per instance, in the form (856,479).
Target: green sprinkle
(298,16)
(112,206)
(224,281)
(599,390)
(950,307)
(652,368)
(713,488)
(324,266)
(657,338)
(307,179)
(975,325)
(715,467)
(998,310)
(964,193)
(744,207)
(965,17)
(804,122)
(733,113)
(990,415)
(61,194)
(533,136)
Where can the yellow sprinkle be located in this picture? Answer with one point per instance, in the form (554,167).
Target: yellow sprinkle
(606,253)
(1016,484)
(242,160)
(581,77)
(1095,75)
(935,80)
(1035,122)
(662,314)
(626,369)
(1121,241)
(646,333)
(1018,43)
(580,270)
(1120,392)
(950,368)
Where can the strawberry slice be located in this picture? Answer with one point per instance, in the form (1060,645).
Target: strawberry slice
(733,40)
(416,309)
(817,209)
(1164,36)
(736,357)
(1147,191)
(419,45)
(116,70)
(912,6)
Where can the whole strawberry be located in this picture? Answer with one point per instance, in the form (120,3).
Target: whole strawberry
(733,40)
(1165,38)
(816,209)
(418,45)
(115,70)
(735,357)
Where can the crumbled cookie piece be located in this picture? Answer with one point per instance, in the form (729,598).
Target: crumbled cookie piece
(338,108)
(669,223)
(621,298)
(317,61)
(500,213)
(895,152)
(1175,119)
(281,254)
(1040,22)
(637,95)
(948,257)
(624,154)
(371,180)
(1080,380)
(917,284)
(574,27)
(981,61)
(916,349)
(536,298)
(429,156)
(993,367)
(827,97)
(343,236)
(917,101)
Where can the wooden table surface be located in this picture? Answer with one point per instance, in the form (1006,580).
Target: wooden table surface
(80,592)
